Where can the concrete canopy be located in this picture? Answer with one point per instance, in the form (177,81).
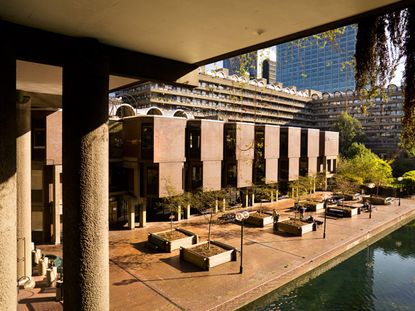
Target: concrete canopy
(184,34)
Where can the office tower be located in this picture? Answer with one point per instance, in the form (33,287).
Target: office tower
(318,64)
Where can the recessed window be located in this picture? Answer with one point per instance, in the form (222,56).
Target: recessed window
(39,138)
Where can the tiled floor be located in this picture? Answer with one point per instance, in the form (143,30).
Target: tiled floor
(143,280)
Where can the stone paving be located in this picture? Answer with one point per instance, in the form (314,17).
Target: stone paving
(143,280)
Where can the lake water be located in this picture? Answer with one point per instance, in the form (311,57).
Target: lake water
(380,277)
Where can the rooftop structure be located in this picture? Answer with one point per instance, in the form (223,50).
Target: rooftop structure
(380,116)
(222,97)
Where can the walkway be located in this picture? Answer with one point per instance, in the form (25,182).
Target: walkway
(143,280)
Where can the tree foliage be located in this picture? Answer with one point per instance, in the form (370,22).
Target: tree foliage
(409,181)
(364,167)
(350,131)
(382,42)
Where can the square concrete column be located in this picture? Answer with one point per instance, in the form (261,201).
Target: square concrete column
(23,187)
(131,213)
(8,297)
(57,170)
(143,212)
(85,177)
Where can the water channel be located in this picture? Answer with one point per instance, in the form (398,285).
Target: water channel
(380,277)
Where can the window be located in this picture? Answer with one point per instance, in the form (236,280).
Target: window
(39,138)
(147,141)
(196,177)
(152,181)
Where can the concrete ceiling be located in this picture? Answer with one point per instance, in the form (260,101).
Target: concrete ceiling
(188,31)
(47,79)
(184,30)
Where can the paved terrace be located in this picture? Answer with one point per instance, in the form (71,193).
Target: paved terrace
(143,280)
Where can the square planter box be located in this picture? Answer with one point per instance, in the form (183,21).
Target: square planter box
(378,200)
(259,220)
(169,246)
(190,255)
(298,228)
(342,211)
(312,206)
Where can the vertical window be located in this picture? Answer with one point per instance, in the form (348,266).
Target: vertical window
(147,141)
(39,138)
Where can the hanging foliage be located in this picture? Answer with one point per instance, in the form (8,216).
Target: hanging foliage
(382,42)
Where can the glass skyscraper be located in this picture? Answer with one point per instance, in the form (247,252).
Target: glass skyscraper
(317,64)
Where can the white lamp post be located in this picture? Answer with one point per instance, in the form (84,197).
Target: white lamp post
(241,217)
(370,186)
(400,190)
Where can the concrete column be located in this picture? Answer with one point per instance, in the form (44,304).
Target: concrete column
(8,297)
(57,170)
(179,213)
(23,188)
(276,196)
(188,211)
(85,177)
(253,199)
(131,213)
(246,199)
(271,196)
(216,206)
(223,205)
(143,213)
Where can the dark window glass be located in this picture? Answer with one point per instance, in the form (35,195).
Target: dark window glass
(147,141)
(39,138)
(152,181)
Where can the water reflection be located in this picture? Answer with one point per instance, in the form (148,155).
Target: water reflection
(380,277)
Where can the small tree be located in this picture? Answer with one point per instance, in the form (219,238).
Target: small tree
(173,202)
(204,202)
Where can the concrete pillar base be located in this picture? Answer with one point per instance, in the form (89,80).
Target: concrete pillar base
(188,212)
(57,170)
(131,214)
(143,213)
(179,213)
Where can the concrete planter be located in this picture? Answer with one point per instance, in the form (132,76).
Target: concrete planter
(342,211)
(169,246)
(312,206)
(295,229)
(259,220)
(378,200)
(190,255)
